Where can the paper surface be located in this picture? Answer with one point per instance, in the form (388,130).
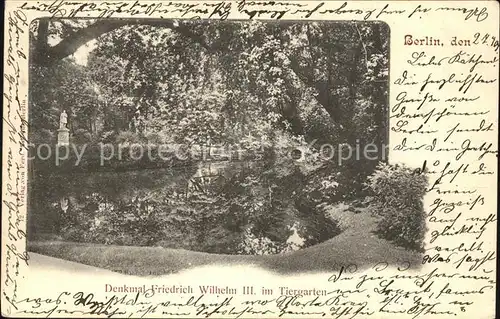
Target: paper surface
(442,121)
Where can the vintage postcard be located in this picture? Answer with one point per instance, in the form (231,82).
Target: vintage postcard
(250,159)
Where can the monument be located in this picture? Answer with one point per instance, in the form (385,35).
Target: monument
(63,131)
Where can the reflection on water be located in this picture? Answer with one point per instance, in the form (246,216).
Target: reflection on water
(216,208)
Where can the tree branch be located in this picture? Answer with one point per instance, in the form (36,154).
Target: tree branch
(71,44)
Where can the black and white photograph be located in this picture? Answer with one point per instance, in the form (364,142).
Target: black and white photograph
(162,145)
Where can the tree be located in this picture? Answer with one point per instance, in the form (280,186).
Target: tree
(65,86)
(292,57)
(268,87)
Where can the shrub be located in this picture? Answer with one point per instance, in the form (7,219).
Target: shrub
(253,245)
(126,137)
(398,198)
(82,136)
(43,136)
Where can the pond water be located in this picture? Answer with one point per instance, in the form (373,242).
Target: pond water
(208,207)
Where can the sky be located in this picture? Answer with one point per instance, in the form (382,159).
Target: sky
(81,55)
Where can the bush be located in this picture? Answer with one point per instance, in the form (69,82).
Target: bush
(398,198)
(253,245)
(127,137)
(82,136)
(43,136)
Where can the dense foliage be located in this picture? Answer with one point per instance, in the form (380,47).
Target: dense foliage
(223,81)
(398,198)
(268,88)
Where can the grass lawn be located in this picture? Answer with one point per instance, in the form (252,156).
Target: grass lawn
(356,245)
